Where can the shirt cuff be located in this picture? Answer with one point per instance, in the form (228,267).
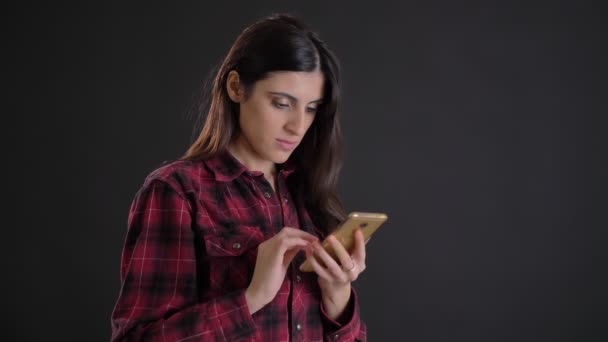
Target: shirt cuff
(233,317)
(352,330)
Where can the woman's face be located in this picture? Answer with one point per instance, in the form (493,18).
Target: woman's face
(277,113)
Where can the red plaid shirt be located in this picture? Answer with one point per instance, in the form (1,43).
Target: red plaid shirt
(190,252)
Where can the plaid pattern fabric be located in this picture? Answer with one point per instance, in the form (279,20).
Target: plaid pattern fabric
(190,252)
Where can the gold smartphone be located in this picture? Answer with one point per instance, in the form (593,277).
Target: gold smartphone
(368,222)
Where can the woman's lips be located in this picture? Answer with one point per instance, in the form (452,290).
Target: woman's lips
(286,144)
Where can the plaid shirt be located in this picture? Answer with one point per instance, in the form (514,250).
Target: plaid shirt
(190,252)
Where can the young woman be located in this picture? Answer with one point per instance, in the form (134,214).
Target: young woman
(215,239)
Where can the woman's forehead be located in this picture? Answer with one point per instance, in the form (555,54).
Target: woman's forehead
(303,85)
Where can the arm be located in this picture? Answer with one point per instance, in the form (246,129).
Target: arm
(352,329)
(158,299)
(339,303)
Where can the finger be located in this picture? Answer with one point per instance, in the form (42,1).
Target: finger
(317,267)
(290,248)
(288,243)
(295,232)
(359,250)
(349,265)
(345,259)
(330,264)
(291,254)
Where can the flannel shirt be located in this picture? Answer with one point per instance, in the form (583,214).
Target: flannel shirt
(190,251)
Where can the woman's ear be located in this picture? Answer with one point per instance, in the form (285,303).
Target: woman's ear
(233,86)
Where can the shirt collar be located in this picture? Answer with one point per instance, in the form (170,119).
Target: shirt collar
(226,167)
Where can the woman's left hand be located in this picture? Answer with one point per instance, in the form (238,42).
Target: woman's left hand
(335,277)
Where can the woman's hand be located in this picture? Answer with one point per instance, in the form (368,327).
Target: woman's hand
(335,277)
(273,259)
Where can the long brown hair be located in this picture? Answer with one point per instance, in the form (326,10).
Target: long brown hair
(281,42)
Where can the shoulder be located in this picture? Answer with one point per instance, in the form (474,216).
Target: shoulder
(181,175)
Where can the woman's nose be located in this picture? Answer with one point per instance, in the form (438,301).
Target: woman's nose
(297,122)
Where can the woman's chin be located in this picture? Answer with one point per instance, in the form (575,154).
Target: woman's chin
(281,159)
(279,156)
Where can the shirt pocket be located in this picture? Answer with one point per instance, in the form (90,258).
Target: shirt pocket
(234,242)
(231,255)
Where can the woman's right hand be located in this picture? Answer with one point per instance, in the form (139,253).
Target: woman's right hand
(274,257)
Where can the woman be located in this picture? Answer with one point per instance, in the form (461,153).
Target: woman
(214,239)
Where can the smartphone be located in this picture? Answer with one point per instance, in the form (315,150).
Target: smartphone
(368,222)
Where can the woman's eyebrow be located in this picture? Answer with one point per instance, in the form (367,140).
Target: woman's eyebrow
(291,97)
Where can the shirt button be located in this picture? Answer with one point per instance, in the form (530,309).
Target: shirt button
(285,200)
(336,336)
(267,194)
(298,327)
(298,278)
(236,245)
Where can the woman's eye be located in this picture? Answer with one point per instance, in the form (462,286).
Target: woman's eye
(280,105)
(311,110)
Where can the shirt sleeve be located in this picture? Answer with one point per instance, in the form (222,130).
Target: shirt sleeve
(353,330)
(158,299)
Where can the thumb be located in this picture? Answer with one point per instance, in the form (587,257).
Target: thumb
(290,254)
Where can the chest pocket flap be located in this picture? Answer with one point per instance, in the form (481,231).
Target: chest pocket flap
(233,242)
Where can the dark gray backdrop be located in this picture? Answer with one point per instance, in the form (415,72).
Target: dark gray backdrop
(474,125)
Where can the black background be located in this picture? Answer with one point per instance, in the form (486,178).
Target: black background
(474,125)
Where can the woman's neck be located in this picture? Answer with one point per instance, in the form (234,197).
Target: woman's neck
(245,154)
